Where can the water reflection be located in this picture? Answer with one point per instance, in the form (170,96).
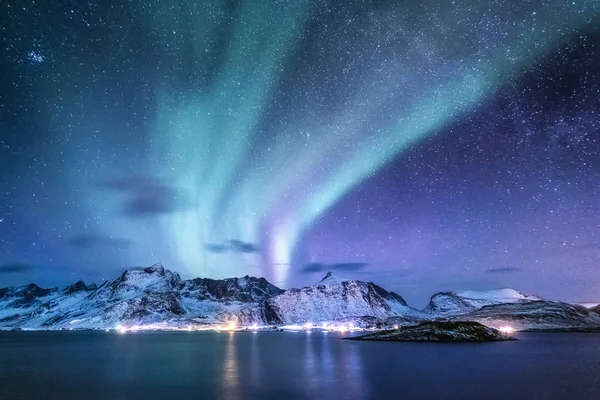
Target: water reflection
(255,361)
(356,385)
(327,359)
(230,373)
(317,363)
(273,366)
(329,362)
(311,375)
(122,359)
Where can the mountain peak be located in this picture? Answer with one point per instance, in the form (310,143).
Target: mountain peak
(158,267)
(77,287)
(331,278)
(34,290)
(152,277)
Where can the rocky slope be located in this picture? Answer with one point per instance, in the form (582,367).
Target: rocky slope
(431,331)
(458,303)
(537,315)
(508,307)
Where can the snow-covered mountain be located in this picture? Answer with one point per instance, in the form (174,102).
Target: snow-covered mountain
(508,307)
(540,314)
(457,303)
(156,296)
(17,305)
(335,298)
(149,294)
(589,305)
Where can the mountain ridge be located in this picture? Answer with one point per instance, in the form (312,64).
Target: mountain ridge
(463,302)
(157,297)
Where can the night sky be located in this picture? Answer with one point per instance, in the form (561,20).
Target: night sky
(425,146)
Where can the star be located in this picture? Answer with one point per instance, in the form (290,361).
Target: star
(234,138)
(35,57)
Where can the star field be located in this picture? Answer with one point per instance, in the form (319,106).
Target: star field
(426,146)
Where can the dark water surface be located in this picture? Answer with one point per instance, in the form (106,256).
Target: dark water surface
(287,366)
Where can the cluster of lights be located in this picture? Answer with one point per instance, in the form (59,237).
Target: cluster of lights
(151,327)
(309,326)
(232,326)
(506,329)
(124,329)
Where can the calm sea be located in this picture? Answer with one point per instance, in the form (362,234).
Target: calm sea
(284,365)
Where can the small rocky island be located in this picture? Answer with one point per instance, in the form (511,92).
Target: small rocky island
(440,331)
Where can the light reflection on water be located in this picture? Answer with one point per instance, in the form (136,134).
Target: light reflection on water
(271,365)
(230,373)
(310,369)
(317,360)
(357,387)
(255,363)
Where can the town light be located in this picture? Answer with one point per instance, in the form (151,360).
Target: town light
(506,329)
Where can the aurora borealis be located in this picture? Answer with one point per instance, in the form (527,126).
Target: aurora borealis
(430,145)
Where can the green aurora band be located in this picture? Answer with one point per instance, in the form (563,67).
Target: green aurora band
(271,193)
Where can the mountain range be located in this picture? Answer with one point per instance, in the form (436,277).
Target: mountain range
(156,298)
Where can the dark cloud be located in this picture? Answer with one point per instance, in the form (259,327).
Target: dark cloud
(147,196)
(239,246)
(323,267)
(505,270)
(216,248)
(232,246)
(92,240)
(314,267)
(15,268)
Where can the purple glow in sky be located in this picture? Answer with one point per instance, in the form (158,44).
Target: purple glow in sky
(425,147)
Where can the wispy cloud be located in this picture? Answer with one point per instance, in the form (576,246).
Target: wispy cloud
(232,246)
(96,240)
(15,268)
(147,196)
(505,270)
(323,267)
